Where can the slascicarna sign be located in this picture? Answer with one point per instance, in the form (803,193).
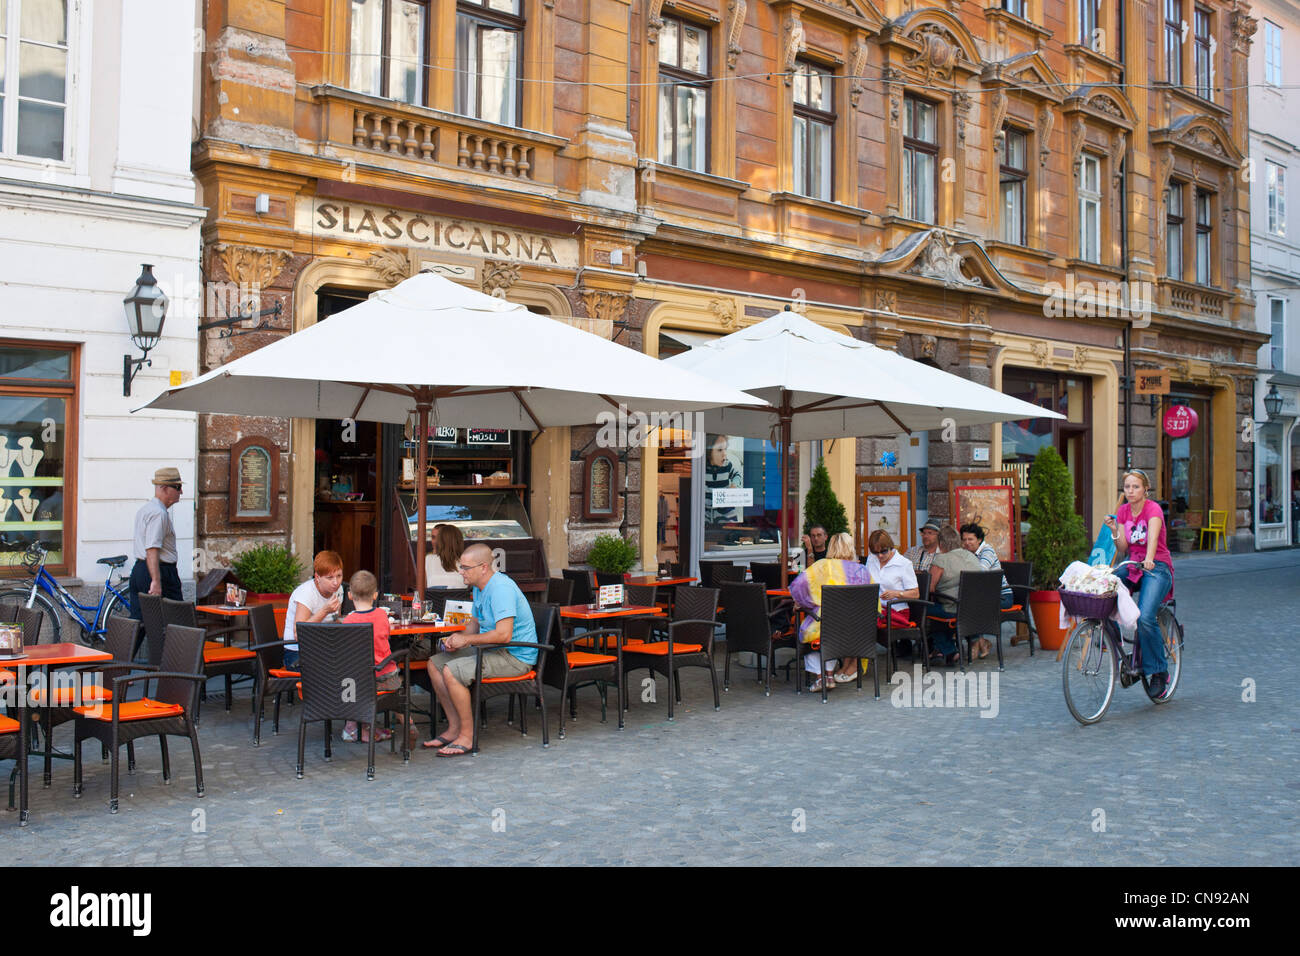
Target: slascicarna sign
(383,224)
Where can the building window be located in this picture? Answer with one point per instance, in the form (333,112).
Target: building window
(1089,13)
(1271,497)
(920,160)
(1012,188)
(489,57)
(684,95)
(1174,41)
(37,415)
(1090,208)
(33,78)
(742,493)
(1204,236)
(814,131)
(1275,180)
(1204,69)
(1014,6)
(1174,231)
(1277,328)
(1272,53)
(389,48)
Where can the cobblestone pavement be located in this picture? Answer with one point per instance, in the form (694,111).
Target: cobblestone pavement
(1207,779)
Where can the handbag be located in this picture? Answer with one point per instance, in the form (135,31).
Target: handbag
(898,617)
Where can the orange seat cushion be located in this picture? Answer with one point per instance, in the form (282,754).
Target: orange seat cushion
(133,710)
(660,648)
(583,659)
(220,654)
(1014,607)
(67,696)
(8,725)
(419,665)
(282,674)
(531,675)
(946,620)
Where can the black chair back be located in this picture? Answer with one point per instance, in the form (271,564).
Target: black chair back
(639,595)
(848,619)
(1019,574)
(724,573)
(559,591)
(181,613)
(29,619)
(546,619)
(766,573)
(155,629)
(979,597)
(748,626)
(708,569)
(438,598)
(923,585)
(605,579)
(182,654)
(330,655)
(261,618)
(581,585)
(119,640)
(696,604)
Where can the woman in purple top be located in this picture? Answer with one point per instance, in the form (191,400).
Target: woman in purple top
(1139,526)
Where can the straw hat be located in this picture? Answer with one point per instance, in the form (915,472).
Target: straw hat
(167,476)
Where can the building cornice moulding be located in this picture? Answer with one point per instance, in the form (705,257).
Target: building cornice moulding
(37,197)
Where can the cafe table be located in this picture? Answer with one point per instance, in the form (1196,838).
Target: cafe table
(670,584)
(576,613)
(42,657)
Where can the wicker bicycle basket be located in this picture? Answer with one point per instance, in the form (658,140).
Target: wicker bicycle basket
(1079,604)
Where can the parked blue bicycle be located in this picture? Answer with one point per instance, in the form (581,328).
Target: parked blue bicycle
(48,594)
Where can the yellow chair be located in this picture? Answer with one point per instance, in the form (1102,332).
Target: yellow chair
(1218,527)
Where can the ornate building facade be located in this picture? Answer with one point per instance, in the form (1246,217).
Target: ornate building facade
(1010,193)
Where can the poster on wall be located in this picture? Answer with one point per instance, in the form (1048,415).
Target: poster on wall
(992,507)
(723,470)
(886,511)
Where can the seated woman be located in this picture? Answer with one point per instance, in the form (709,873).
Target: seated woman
(840,566)
(945,579)
(972,539)
(893,572)
(442,557)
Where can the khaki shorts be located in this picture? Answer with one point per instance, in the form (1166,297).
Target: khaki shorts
(496,663)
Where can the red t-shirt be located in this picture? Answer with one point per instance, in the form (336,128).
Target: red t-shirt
(379,618)
(1134,529)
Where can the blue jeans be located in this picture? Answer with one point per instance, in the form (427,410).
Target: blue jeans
(291,660)
(1155,585)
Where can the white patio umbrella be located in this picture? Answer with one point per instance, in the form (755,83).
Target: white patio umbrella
(820,384)
(445,352)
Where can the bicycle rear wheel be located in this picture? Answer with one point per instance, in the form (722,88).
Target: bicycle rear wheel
(1172,632)
(1089,671)
(52,628)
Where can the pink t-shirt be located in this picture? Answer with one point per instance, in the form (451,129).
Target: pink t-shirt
(1134,529)
(379,618)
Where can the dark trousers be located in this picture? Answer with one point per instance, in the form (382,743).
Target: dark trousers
(140,581)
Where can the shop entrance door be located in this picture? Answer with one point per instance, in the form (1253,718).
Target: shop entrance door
(1185,480)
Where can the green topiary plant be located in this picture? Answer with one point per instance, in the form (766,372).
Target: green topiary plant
(821,507)
(610,554)
(1056,533)
(268,569)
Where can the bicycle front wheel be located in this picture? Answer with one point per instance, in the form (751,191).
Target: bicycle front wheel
(1089,671)
(52,626)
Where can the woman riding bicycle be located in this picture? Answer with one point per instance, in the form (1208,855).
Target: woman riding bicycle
(1139,524)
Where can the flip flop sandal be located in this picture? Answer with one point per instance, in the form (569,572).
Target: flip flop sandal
(453,750)
(437,743)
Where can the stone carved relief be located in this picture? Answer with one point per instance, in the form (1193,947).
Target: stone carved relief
(1243,28)
(961,104)
(1199,137)
(250,266)
(735,23)
(977,313)
(939,53)
(1039,348)
(393,265)
(893,78)
(1081,356)
(654,22)
(725,310)
(857,70)
(1104,104)
(793,42)
(1045,120)
(1118,150)
(999,114)
(929,346)
(937,260)
(603,304)
(886,300)
(499,276)
(1078,133)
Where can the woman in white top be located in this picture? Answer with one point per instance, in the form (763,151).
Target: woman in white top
(891,570)
(442,558)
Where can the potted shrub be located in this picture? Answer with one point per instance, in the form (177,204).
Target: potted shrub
(610,554)
(269,572)
(821,507)
(1183,539)
(1056,538)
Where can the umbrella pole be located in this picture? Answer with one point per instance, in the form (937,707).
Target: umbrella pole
(421,495)
(786,415)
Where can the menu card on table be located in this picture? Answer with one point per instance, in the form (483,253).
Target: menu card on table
(458,612)
(610,595)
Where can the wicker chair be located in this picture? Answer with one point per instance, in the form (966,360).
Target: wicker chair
(273,678)
(155,628)
(1020,578)
(13,746)
(605,579)
(328,656)
(438,598)
(766,573)
(979,612)
(848,619)
(688,643)
(567,669)
(525,686)
(749,628)
(581,585)
(219,660)
(29,619)
(892,636)
(637,629)
(559,591)
(169,713)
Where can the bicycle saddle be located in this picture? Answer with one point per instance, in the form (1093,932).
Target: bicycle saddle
(114,562)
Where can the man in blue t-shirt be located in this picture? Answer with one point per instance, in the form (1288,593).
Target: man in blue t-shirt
(501,616)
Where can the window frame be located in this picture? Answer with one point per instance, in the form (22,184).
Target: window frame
(1173,43)
(677,76)
(1275,197)
(1272,53)
(1204,199)
(11,98)
(1276,341)
(67,389)
(385,52)
(1019,175)
(1014,7)
(912,144)
(1202,54)
(485,16)
(810,116)
(1089,21)
(1175,221)
(1087,198)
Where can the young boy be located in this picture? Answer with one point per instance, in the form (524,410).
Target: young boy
(363,588)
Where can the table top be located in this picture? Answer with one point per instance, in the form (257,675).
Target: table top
(425,628)
(778,592)
(651,581)
(226,610)
(588,612)
(46,655)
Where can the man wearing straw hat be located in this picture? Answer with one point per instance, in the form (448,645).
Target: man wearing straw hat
(155,542)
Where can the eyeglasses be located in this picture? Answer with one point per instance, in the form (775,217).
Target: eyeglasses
(881,553)
(173,487)
(469,567)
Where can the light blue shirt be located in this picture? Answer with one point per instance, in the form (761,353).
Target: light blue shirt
(501,598)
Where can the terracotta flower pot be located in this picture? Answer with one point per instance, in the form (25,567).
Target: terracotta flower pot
(1045,606)
(258,598)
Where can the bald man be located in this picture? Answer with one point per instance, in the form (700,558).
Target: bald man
(501,616)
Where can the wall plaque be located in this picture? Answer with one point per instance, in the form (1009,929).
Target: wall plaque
(254,479)
(598,485)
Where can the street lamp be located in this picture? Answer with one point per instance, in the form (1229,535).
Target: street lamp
(146,310)
(1273,403)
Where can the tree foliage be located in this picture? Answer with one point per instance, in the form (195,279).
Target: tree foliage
(1056,532)
(821,507)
